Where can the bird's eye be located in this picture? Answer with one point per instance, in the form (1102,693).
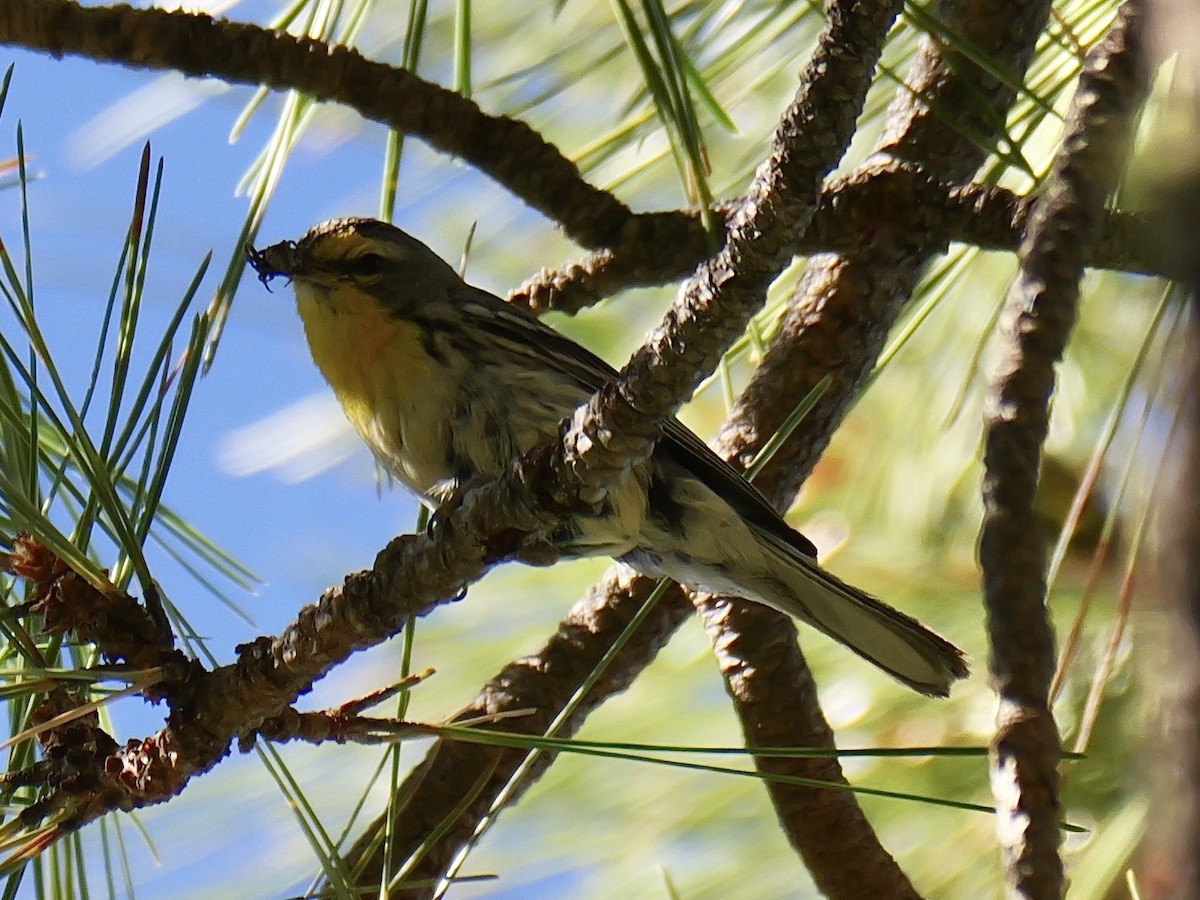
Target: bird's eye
(369,264)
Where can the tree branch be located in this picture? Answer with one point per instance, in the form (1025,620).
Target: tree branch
(543,682)
(636,248)
(840,315)
(411,576)
(618,427)
(506,149)
(765,671)
(859,294)
(983,216)
(1035,325)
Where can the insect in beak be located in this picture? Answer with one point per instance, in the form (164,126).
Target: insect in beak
(278,259)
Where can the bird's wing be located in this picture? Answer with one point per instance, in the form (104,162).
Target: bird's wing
(681,443)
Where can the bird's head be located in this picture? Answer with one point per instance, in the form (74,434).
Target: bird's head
(341,255)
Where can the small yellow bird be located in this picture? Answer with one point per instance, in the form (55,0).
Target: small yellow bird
(446,383)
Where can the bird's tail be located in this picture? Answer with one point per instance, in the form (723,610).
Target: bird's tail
(795,585)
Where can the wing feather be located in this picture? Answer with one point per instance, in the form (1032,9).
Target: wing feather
(550,348)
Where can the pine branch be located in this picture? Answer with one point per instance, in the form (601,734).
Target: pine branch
(619,426)
(840,315)
(1037,320)
(543,682)
(983,216)
(198,45)
(636,248)
(861,293)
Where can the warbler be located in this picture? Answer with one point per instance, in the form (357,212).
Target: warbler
(447,383)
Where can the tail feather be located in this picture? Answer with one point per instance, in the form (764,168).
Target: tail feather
(896,643)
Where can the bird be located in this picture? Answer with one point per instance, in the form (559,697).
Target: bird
(447,383)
